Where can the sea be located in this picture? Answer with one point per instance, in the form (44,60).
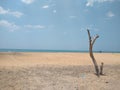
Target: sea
(37,50)
(40,50)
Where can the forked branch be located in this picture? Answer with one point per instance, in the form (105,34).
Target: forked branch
(91,42)
(94,39)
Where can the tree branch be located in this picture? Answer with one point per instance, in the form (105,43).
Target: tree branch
(94,39)
(89,36)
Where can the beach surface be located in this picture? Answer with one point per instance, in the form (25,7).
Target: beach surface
(28,59)
(58,71)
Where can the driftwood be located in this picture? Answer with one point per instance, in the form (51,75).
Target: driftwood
(91,43)
(101,68)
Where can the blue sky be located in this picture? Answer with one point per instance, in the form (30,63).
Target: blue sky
(59,24)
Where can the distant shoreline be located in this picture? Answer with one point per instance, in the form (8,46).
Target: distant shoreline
(40,50)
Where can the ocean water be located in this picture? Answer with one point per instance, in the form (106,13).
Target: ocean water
(38,50)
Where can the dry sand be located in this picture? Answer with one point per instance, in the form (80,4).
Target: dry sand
(18,59)
(58,71)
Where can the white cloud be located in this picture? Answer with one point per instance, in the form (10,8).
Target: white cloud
(54,11)
(13,13)
(12,26)
(91,2)
(45,6)
(101,1)
(72,17)
(3,11)
(8,25)
(34,26)
(27,1)
(16,14)
(110,14)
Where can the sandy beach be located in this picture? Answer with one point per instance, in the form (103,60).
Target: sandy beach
(58,71)
(28,59)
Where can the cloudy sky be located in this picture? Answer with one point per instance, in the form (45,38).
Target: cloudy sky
(59,24)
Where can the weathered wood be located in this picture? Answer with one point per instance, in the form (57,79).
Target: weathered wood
(101,68)
(91,43)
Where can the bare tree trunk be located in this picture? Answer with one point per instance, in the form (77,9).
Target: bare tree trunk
(91,42)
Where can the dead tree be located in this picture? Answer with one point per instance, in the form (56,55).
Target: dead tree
(91,43)
(101,69)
